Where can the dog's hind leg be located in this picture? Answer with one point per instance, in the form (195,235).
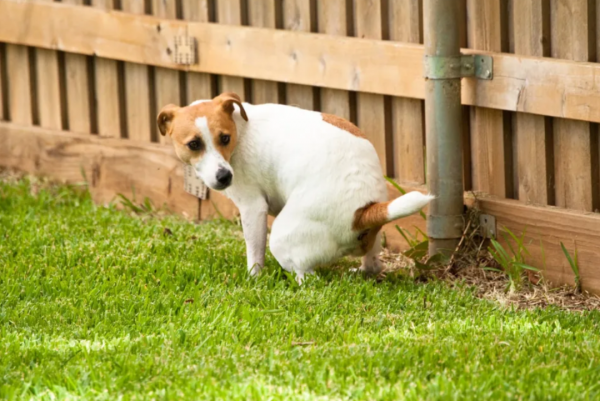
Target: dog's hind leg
(370,261)
(300,245)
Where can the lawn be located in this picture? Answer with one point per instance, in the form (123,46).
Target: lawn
(96,303)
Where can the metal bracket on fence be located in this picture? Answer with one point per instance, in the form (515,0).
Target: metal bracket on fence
(487,224)
(192,184)
(463,66)
(185,50)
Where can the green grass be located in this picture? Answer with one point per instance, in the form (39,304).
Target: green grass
(97,304)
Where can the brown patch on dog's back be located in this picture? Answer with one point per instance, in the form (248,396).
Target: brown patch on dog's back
(343,124)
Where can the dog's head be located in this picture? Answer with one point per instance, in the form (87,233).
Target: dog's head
(205,135)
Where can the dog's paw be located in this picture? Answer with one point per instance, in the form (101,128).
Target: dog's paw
(255,270)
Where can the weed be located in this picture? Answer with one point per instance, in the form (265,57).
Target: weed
(574,263)
(512,264)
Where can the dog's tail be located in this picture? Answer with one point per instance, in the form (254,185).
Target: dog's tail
(378,214)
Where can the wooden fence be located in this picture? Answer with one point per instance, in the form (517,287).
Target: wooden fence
(81,85)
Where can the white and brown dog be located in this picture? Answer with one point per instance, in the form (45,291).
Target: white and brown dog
(316,172)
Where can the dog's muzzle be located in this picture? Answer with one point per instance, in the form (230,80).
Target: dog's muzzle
(224,178)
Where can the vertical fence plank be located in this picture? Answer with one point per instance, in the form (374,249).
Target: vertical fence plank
(78,89)
(262,13)
(230,12)
(371,107)
(137,90)
(107,89)
(572,23)
(198,85)
(490,142)
(532,133)
(297,17)
(48,88)
(408,120)
(166,81)
(333,20)
(3,83)
(19,84)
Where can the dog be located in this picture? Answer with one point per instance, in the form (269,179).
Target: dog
(315,172)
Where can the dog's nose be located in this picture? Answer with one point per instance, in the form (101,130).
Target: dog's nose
(224,176)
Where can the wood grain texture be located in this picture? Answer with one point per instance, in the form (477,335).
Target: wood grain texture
(489,135)
(111,165)
(297,17)
(3,88)
(371,107)
(78,89)
(532,133)
(333,20)
(198,85)
(107,89)
(137,90)
(262,13)
(166,81)
(48,88)
(19,84)
(551,87)
(229,12)
(573,22)
(408,125)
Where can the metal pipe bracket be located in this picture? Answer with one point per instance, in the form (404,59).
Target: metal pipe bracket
(463,66)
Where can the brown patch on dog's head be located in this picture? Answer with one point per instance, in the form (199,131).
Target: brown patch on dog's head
(342,124)
(204,134)
(180,123)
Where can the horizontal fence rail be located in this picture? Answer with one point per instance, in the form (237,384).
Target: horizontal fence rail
(543,86)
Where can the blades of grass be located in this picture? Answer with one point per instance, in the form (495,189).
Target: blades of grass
(512,250)
(526,267)
(501,253)
(543,254)
(493,269)
(126,202)
(408,241)
(418,251)
(574,265)
(395,185)
(148,205)
(520,241)
(422,233)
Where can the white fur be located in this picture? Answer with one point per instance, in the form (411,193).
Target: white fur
(408,204)
(310,174)
(212,161)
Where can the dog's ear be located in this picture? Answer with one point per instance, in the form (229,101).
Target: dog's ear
(226,101)
(165,118)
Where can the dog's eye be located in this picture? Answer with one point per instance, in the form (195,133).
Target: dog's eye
(224,138)
(195,145)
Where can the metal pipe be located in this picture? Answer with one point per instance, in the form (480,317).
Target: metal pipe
(443,121)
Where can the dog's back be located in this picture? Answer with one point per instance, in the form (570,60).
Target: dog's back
(325,162)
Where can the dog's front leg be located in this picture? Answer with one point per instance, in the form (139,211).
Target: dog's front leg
(254,223)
